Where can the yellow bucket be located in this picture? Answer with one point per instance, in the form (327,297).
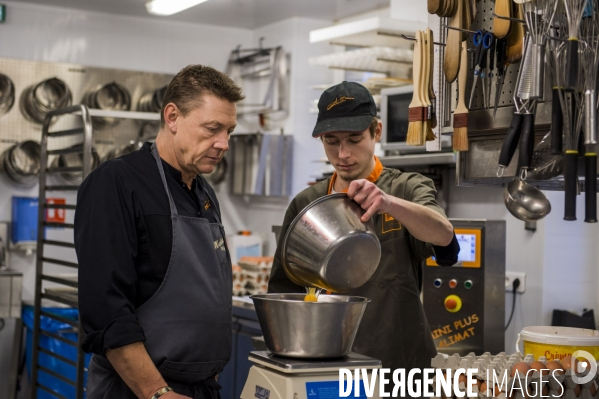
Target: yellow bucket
(555,343)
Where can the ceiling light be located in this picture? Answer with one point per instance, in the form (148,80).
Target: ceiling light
(170,7)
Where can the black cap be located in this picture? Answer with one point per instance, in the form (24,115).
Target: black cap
(346,107)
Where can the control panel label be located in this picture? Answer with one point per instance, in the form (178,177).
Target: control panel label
(330,390)
(458,331)
(262,393)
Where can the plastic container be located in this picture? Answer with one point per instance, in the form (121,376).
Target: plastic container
(244,244)
(555,343)
(24,219)
(53,345)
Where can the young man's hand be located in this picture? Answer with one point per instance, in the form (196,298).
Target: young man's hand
(371,198)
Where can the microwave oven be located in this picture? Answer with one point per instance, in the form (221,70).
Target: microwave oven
(395,102)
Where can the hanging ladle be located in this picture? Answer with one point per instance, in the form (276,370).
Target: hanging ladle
(524,201)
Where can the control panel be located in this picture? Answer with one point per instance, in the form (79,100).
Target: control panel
(465,303)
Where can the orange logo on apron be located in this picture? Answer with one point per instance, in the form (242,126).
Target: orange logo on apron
(390,224)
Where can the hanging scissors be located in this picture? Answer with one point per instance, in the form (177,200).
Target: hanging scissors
(482,42)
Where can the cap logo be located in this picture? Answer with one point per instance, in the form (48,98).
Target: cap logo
(338,101)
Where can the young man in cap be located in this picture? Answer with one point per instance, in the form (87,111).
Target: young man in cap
(409,223)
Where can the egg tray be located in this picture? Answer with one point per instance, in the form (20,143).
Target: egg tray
(501,365)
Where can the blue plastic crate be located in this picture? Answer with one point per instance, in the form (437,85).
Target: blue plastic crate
(54,346)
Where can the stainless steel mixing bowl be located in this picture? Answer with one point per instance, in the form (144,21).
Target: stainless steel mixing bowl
(323,329)
(328,246)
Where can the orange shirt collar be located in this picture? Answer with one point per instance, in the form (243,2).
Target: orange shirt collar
(374,175)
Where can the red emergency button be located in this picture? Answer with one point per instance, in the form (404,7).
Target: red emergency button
(453,303)
(453,283)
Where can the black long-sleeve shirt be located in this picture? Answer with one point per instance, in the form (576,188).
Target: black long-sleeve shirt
(123,240)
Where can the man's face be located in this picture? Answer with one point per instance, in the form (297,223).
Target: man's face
(202,136)
(351,154)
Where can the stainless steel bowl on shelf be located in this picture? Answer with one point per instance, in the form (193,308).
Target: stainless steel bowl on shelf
(328,246)
(323,329)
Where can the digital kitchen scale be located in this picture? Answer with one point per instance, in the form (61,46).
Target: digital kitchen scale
(276,377)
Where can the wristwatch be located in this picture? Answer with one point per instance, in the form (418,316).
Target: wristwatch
(161,392)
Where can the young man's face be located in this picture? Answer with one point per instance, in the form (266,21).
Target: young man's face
(351,154)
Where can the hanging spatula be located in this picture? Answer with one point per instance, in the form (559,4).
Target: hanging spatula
(502,27)
(453,47)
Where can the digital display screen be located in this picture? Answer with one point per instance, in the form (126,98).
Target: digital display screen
(397,117)
(467,247)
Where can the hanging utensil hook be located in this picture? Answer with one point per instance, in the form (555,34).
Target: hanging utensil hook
(470,32)
(411,38)
(521,21)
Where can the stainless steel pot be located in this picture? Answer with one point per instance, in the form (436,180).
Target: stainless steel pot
(323,329)
(7,94)
(329,247)
(111,96)
(21,162)
(74,160)
(120,151)
(48,95)
(152,101)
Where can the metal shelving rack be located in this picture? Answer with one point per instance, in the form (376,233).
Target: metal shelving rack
(68,294)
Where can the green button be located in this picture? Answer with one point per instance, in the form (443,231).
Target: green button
(468,284)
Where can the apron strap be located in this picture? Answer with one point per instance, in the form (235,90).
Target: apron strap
(171,202)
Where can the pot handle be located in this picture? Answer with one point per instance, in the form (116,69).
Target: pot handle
(518,344)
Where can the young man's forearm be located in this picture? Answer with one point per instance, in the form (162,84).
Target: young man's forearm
(423,223)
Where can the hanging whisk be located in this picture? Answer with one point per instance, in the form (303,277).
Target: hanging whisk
(589,54)
(574,12)
(556,60)
(539,15)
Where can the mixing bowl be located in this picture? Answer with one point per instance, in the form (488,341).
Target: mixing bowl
(323,329)
(328,246)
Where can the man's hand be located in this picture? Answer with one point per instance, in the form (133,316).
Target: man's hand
(371,198)
(135,367)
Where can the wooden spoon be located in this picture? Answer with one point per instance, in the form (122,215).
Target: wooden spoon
(502,27)
(454,8)
(515,40)
(431,91)
(453,46)
(433,6)
(449,7)
(428,83)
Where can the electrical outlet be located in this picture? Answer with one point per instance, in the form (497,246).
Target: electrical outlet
(509,280)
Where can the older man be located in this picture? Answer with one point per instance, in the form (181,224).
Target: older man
(155,272)
(409,223)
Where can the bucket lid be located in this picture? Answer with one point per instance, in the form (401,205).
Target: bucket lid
(560,335)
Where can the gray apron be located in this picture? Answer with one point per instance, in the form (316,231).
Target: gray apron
(187,322)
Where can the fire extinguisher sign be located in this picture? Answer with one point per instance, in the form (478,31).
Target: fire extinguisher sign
(56,215)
